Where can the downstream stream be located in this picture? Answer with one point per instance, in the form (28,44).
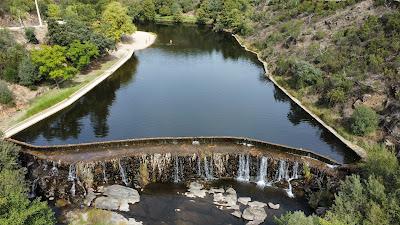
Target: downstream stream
(203,84)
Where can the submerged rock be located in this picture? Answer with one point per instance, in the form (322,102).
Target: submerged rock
(273,206)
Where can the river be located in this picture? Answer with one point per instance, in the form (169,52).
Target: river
(203,84)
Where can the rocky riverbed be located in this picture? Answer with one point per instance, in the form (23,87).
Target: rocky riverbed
(196,202)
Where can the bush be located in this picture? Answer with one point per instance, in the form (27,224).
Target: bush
(305,74)
(28,73)
(336,96)
(363,121)
(296,218)
(381,162)
(10,74)
(30,36)
(6,96)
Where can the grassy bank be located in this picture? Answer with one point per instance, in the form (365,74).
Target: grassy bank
(55,96)
(189,19)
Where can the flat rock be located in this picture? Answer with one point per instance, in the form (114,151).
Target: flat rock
(195,186)
(196,193)
(235,207)
(122,193)
(107,203)
(89,198)
(257,204)
(231,191)
(124,206)
(273,206)
(254,213)
(219,197)
(254,222)
(216,190)
(244,200)
(237,213)
(132,221)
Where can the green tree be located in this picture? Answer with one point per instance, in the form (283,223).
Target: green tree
(115,21)
(15,206)
(363,121)
(66,34)
(148,12)
(80,54)
(52,63)
(11,54)
(54,12)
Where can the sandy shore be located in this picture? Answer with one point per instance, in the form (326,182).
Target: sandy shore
(139,40)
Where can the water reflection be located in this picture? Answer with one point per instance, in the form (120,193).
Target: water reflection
(204,84)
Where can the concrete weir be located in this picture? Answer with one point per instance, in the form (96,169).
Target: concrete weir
(65,171)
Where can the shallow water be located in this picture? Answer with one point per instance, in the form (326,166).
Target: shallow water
(204,84)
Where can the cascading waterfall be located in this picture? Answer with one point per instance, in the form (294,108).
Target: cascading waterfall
(295,172)
(208,169)
(262,180)
(243,174)
(176,170)
(105,179)
(32,191)
(198,166)
(123,173)
(283,171)
(54,170)
(289,191)
(72,177)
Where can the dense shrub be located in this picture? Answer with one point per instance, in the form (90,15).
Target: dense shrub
(11,54)
(6,96)
(30,36)
(305,74)
(28,74)
(363,121)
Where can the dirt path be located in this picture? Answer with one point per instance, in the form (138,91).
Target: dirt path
(138,41)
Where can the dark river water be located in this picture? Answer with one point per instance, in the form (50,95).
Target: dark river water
(204,84)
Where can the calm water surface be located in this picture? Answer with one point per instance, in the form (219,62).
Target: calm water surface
(204,84)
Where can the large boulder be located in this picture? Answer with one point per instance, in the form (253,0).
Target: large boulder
(122,193)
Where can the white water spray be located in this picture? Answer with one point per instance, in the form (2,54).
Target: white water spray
(262,180)
(244,168)
(72,177)
(123,173)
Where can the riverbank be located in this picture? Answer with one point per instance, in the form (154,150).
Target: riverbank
(55,100)
(357,149)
